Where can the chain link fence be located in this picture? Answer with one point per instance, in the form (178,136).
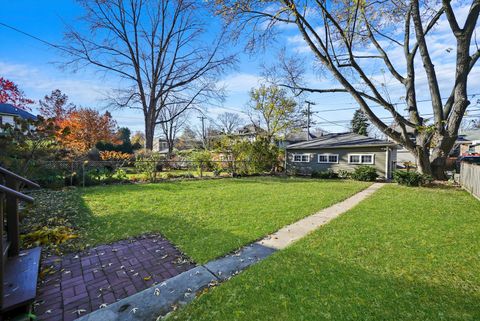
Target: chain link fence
(56,174)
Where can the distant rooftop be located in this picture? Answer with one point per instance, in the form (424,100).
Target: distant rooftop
(9,109)
(338,140)
(470,135)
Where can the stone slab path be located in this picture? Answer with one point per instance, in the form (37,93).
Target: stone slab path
(84,282)
(159,300)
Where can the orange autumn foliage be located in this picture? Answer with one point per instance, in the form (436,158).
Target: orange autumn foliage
(110,155)
(85,127)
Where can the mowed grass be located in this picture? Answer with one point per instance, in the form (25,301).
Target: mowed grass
(208,218)
(403,254)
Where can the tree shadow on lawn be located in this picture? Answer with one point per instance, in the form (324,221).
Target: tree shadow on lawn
(193,238)
(301,285)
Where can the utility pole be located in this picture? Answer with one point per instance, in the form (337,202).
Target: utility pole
(204,138)
(308,117)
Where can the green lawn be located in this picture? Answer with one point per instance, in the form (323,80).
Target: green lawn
(403,254)
(208,218)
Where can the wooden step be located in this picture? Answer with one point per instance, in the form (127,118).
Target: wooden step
(20,279)
(6,246)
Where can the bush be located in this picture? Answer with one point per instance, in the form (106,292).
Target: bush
(149,165)
(49,178)
(365,173)
(202,160)
(329,174)
(411,178)
(344,174)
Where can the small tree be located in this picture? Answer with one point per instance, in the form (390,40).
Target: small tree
(85,127)
(11,94)
(21,146)
(360,123)
(271,108)
(227,122)
(138,140)
(171,123)
(56,106)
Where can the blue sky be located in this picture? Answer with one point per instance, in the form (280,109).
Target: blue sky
(31,65)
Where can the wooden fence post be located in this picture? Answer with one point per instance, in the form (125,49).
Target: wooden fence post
(12,217)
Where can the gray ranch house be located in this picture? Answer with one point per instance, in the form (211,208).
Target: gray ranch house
(341,151)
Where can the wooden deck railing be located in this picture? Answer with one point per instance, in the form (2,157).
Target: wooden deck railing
(10,184)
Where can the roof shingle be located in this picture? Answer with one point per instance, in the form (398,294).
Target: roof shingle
(338,140)
(12,110)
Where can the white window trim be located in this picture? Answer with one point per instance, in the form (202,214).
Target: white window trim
(301,161)
(360,162)
(328,161)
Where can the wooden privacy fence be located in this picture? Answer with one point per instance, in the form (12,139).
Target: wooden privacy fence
(470,178)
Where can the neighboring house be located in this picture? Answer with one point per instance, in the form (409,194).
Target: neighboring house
(468,142)
(8,114)
(294,138)
(342,151)
(160,145)
(248,132)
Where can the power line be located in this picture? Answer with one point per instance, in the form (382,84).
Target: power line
(380,106)
(32,36)
(347,121)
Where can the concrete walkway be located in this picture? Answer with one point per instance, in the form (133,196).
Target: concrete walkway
(291,233)
(157,301)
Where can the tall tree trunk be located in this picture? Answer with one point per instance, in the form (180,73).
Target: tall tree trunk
(438,158)
(438,165)
(170,149)
(423,160)
(149,131)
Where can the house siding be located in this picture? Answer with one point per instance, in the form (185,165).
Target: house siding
(306,168)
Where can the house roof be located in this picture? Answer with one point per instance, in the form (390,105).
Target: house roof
(341,140)
(249,129)
(297,137)
(9,109)
(470,135)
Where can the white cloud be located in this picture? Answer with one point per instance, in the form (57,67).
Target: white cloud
(240,82)
(36,82)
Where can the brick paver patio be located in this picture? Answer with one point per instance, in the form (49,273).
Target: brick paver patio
(84,282)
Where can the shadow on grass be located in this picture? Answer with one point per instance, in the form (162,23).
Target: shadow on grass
(195,239)
(301,285)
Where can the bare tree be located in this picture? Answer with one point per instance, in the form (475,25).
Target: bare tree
(227,122)
(157,47)
(345,37)
(172,121)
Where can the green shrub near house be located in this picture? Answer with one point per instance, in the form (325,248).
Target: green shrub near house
(365,173)
(328,174)
(409,178)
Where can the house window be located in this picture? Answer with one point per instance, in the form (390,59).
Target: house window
(361,159)
(327,158)
(301,158)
